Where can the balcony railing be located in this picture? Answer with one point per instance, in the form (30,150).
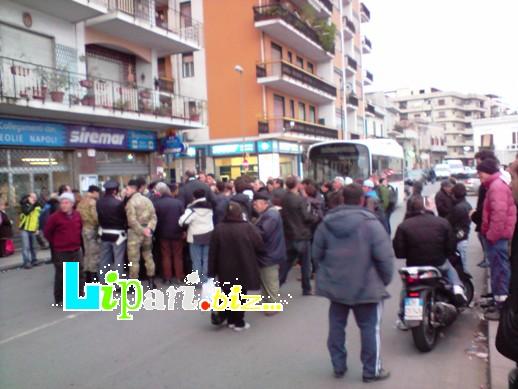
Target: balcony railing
(283,68)
(286,124)
(369,76)
(328,4)
(167,19)
(165,84)
(21,80)
(367,42)
(364,10)
(370,109)
(349,24)
(352,63)
(277,11)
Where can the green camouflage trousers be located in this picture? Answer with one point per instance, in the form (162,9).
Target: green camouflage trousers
(136,243)
(92,250)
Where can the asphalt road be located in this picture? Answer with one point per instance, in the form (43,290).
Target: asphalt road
(44,347)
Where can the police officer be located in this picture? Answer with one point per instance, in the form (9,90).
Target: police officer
(112,228)
(142,222)
(88,211)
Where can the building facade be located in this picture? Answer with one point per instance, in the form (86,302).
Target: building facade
(453,111)
(88,90)
(499,134)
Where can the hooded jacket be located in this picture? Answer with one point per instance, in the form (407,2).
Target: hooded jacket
(354,257)
(198,218)
(499,211)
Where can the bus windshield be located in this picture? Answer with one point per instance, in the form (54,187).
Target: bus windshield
(341,159)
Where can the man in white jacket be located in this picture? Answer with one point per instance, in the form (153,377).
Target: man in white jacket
(198,220)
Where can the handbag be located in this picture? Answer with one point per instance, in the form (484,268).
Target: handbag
(9,247)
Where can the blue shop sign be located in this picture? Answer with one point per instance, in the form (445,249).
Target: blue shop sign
(233,148)
(289,148)
(32,134)
(142,140)
(266,146)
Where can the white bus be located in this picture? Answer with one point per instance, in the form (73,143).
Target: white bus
(358,159)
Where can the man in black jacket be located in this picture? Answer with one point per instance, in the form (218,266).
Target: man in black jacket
(169,233)
(186,191)
(270,226)
(297,229)
(113,227)
(444,199)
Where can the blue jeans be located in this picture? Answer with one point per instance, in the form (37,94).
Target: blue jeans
(368,319)
(498,255)
(112,258)
(301,250)
(28,245)
(462,248)
(200,259)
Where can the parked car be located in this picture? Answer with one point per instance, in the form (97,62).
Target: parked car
(470,180)
(442,171)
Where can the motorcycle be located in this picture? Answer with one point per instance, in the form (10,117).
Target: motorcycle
(429,302)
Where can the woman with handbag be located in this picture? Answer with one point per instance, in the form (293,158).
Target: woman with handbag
(6,231)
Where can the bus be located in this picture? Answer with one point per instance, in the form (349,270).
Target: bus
(358,159)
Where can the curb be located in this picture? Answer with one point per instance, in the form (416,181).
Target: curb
(12,266)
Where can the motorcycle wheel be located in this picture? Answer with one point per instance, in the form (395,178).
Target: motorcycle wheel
(425,335)
(469,290)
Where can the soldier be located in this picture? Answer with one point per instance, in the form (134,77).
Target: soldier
(113,226)
(87,210)
(142,221)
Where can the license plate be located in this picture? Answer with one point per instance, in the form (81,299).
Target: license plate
(413,309)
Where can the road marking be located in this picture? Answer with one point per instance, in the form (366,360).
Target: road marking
(39,328)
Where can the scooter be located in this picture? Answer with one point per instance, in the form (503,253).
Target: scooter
(429,302)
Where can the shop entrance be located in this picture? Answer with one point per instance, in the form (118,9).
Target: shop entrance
(233,167)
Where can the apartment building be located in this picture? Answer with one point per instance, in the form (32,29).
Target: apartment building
(453,111)
(276,76)
(499,134)
(381,115)
(87,90)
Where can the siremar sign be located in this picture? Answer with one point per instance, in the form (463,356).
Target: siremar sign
(97,138)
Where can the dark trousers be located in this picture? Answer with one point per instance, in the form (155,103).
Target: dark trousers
(368,319)
(301,250)
(236,318)
(58,259)
(172,256)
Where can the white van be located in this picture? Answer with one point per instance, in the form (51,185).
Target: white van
(442,170)
(456,166)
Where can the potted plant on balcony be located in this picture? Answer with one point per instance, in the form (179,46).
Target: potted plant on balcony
(58,84)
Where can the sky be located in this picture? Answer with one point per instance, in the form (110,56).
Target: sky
(468,46)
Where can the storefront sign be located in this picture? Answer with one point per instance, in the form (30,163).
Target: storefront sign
(289,148)
(47,134)
(265,146)
(174,144)
(26,133)
(233,148)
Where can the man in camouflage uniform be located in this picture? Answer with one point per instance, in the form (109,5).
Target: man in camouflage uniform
(92,248)
(141,224)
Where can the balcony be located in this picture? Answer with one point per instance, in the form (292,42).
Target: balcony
(323,8)
(289,29)
(368,79)
(365,14)
(168,31)
(70,10)
(370,110)
(352,102)
(33,90)
(292,125)
(349,28)
(352,66)
(294,81)
(367,45)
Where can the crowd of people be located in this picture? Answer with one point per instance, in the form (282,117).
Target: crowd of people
(255,232)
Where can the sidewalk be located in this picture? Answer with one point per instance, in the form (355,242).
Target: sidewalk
(15,261)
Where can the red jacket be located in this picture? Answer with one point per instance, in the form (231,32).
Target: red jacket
(64,231)
(499,212)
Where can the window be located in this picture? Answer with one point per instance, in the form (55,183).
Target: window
(312,114)
(442,114)
(417,115)
(441,102)
(290,57)
(402,105)
(187,65)
(311,68)
(186,14)
(300,62)
(487,140)
(292,109)
(302,111)
(278,106)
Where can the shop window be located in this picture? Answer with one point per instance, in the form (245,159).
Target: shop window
(187,65)
(302,112)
